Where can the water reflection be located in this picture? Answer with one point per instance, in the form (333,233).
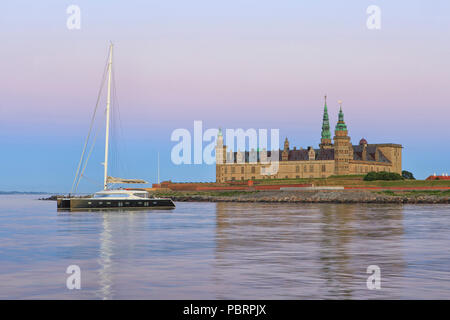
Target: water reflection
(305,250)
(105,261)
(337,232)
(117,240)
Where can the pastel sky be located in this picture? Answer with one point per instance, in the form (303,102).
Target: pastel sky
(233,64)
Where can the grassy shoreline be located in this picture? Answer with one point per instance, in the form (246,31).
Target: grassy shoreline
(357,181)
(315,196)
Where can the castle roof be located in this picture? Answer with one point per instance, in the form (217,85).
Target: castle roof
(341,126)
(371,150)
(326,134)
(302,154)
(321,154)
(294,155)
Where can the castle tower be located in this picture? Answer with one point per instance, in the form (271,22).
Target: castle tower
(221,153)
(325,141)
(311,154)
(220,149)
(363,144)
(285,153)
(343,150)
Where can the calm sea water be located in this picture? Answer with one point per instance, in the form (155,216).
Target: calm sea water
(225,251)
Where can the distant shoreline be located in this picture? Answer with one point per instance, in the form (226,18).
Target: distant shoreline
(22,192)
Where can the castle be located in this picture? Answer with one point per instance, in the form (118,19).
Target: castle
(340,158)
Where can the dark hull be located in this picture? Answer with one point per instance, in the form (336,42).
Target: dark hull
(89,203)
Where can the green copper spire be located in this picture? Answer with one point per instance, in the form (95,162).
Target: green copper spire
(326,122)
(341,126)
(220,132)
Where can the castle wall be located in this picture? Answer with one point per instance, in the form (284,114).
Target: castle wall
(286,170)
(394,153)
(363,167)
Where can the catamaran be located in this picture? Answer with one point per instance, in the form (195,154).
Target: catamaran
(109,198)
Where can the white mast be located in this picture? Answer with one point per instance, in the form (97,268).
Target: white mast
(108,102)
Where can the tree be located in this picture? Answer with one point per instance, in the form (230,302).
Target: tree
(408,175)
(383,175)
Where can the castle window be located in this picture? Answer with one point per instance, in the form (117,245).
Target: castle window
(324,168)
(311,168)
(297,177)
(253,170)
(233,169)
(305,168)
(226,170)
(242,169)
(297,169)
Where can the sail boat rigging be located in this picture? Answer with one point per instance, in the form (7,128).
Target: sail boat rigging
(114,198)
(108,104)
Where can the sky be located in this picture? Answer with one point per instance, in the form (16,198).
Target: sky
(230,64)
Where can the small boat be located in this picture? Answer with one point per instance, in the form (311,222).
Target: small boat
(110,198)
(118,199)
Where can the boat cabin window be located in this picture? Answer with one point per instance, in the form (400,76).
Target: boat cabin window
(140,195)
(116,195)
